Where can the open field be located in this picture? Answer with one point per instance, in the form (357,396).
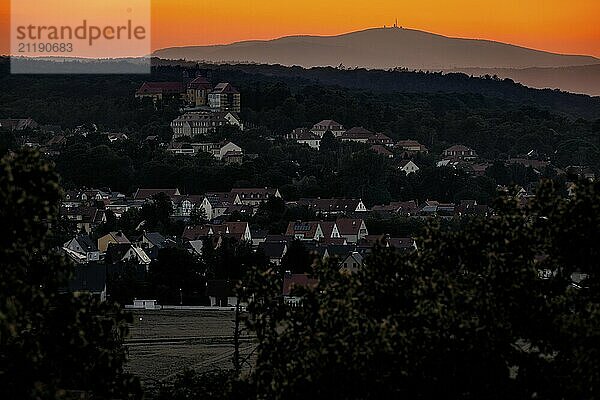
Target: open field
(164,343)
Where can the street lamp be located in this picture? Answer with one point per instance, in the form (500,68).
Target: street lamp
(180,297)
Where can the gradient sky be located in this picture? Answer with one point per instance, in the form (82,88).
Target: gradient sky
(563,26)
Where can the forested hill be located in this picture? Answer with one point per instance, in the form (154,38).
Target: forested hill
(405,81)
(295,78)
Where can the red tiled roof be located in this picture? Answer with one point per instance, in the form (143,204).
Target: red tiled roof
(327,228)
(380,149)
(327,124)
(161,88)
(458,147)
(330,205)
(236,229)
(225,88)
(196,232)
(254,193)
(359,130)
(334,241)
(380,138)
(307,229)
(409,143)
(349,226)
(199,83)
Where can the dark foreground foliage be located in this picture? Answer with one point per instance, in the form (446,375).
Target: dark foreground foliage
(52,344)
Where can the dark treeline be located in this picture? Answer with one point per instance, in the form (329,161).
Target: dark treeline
(406,81)
(341,170)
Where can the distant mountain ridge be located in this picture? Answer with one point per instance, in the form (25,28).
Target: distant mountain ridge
(575,79)
(380,48)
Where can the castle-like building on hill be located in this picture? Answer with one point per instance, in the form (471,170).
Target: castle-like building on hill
(198,93)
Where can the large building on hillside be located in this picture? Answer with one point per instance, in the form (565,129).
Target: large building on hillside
(202,122)
(459,152)
(197,92)
(320,128)
(159,91)
(225,98)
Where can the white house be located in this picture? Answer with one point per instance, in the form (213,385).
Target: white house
(334,127)
(126,252)
(408,167)
(234,120)
(216,204)
(460,151)
(144,305)
(274,251)
(310,139)
(352,262)
(197,123)
(82,249)
(352,229)
(225,148)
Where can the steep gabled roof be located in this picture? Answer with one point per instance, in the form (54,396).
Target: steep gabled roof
(349,226)
(327,228)
(340,251)
(161,88)
(382,150)
(225,88)
(273,249)
(221,199)
(308,229)
(458,147)
(118,237)
(236,229)
(408,143)
(359,130)
(199,83)
(156,239)
(117,251)
(404,163)
(86,243)
(380,138)
(327,124)
(254,193)
(197,232)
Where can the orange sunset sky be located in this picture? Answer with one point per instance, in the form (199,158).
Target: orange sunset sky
(564,26)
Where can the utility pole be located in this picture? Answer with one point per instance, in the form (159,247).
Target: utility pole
(236,338)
